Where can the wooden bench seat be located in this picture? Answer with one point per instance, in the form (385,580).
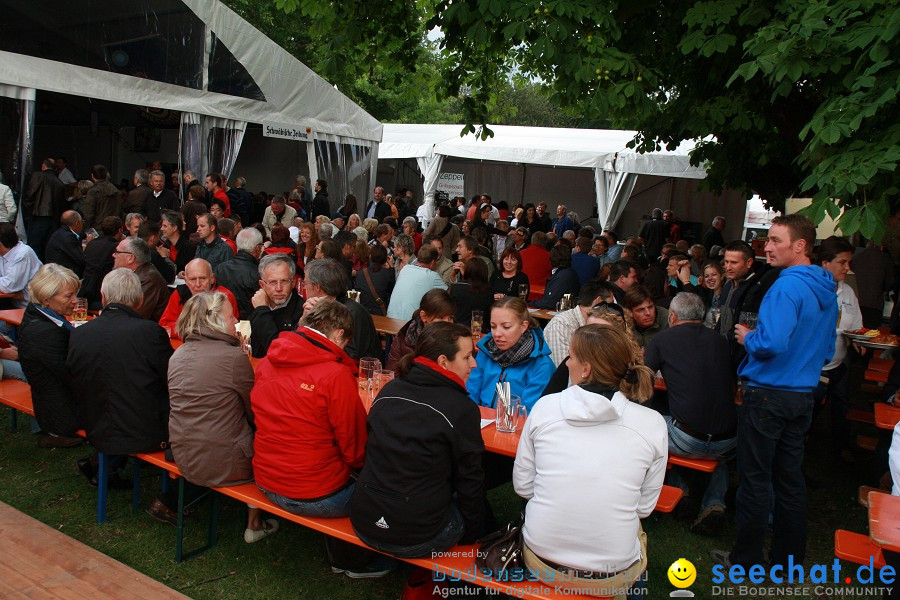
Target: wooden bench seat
(861,416)
(857,548)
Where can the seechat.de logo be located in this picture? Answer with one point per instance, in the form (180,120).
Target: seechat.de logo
(682,574)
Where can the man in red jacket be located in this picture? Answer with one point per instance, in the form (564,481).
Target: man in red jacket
(536,260)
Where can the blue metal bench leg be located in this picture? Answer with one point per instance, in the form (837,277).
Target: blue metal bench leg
(102,481)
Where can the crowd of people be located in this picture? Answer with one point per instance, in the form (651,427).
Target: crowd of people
(712,319)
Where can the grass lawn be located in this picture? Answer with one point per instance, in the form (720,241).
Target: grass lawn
(291,564)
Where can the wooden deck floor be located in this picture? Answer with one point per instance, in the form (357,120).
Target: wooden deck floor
(39,562)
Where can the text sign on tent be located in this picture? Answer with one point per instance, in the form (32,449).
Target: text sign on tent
(452,183)
(286,132)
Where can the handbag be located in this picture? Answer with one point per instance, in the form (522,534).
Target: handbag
(500,552)
(375,295)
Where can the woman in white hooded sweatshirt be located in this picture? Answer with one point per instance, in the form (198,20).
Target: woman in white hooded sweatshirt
(591,463)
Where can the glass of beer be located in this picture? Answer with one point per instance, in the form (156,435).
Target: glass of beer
(367,368)
(477,322)
(80,313)
(523,291)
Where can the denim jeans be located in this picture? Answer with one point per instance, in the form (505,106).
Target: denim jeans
(331,507)
(682,444)
(446,538)
(771,428)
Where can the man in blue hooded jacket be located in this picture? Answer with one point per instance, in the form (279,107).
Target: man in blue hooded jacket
(785,355)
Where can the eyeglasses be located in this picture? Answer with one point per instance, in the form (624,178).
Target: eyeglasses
(610,306)
(122,252)
(278,282)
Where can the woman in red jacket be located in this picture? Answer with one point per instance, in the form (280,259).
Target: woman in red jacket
(311,424)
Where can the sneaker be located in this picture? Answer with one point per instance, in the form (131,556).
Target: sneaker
(379,567)
(270,526)
(710,520)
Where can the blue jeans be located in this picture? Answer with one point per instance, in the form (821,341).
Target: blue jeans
(771,427)
(330,507)
(446,538)
(682,444)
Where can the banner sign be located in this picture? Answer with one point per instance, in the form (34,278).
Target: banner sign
(452,183)
(286,132)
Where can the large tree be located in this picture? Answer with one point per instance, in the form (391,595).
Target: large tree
(791,97)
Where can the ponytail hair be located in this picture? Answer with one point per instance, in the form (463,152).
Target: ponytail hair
(613,364)
(518,307)
(437,339)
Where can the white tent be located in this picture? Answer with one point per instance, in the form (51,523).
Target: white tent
(197,57)
(615,167)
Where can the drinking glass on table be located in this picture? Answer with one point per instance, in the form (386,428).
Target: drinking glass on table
(367,367)
(523,291)
(477,322)
(380,377)
(79,315)
(508,414)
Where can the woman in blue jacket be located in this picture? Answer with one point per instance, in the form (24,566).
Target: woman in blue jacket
(514,351)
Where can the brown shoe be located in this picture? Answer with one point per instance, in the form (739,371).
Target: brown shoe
(162,513)
(58,441)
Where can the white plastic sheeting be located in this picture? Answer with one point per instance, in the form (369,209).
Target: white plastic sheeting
(604,151)
(294,93)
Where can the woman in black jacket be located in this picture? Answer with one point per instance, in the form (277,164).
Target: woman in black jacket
(43,345)
(381,279)
(421,489)
(508,278)
(472,292)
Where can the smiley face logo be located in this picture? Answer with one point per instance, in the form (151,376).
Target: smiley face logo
(682,573)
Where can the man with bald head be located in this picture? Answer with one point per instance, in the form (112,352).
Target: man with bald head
(198,278)
(64,246)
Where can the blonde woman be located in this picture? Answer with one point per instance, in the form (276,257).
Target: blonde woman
(43,345)
(578,530)
(210,431)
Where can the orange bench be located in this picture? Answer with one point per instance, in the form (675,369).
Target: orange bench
(700,464)
(17,396)
(857,548)
(861,416)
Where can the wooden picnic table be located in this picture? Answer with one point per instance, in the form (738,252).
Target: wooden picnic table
(387,325)
(13,316)
(884,520)
(544,314)
(886,415)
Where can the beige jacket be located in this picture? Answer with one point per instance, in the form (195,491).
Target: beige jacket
(209,424)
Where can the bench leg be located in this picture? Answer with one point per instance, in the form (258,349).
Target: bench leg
(164,486)
(212,535)
(101,487)
(136,484)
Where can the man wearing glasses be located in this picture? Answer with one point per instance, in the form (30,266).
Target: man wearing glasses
(276,307)
(134,254)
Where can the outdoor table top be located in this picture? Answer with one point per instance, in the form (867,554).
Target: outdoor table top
(41,562)
(886,416)
(13,316)
(543,314)
(387,325)
(884,520)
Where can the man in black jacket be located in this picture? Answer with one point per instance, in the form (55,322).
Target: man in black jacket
(320,205)
(276,306)
(64,247)
(160,199)
(241,274)
(98,258)
(747,282)
(377,209)
(117,365)
(326,278)
(42,206)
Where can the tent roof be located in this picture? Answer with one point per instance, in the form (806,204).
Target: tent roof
(294,94)
(586,148)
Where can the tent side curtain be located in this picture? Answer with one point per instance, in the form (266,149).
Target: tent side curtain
(209,144)
(347,166)
(613,190)
(430,168)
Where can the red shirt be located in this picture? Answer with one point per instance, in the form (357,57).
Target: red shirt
(221,195)
(173,309)
(230,243)
(536,264)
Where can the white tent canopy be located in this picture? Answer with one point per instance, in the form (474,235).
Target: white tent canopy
(615,166)
(196,57)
